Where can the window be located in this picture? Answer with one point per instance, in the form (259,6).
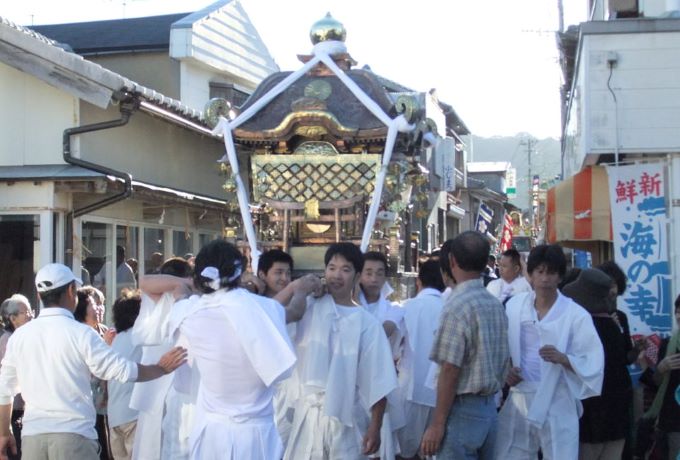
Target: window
(154,250)
(227,91)
(127,238)
(97,253)
(182,243)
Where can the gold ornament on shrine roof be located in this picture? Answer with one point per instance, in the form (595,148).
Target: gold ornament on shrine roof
(327,29)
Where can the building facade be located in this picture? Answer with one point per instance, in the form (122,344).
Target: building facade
(622,113)
(100,153)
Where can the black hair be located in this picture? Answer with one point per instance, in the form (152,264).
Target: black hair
(677,302)
(80,313)
(176,266)
(269,258)
(126,310)
(491,258)
(614,271)
(226,258)
(430,275)
(471,251)
(444,262)
(570,276)
(513,255)
(550,255)
(52,298)
(375,256)
(349,251)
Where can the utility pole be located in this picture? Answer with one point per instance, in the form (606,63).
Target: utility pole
(560,16)
(530,142)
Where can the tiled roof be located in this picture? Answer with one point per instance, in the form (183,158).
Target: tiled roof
(49,49)
(113,36)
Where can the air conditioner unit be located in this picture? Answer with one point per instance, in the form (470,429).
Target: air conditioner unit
(623,8)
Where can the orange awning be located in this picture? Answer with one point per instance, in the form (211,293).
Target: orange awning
(578,208)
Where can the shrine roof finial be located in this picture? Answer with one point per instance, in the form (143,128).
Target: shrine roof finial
(327,29)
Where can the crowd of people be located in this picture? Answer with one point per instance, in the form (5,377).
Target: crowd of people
(208,361)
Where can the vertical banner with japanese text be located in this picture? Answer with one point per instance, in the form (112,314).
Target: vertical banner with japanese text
(639,224)
(484,218)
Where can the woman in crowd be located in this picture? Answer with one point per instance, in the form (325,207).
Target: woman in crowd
(16,311)
(86,312)
(606,418)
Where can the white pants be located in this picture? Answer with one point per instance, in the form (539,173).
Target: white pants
(315,436)
(217,437)
(557,438)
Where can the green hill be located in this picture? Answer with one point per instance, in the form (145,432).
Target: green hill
(545,159)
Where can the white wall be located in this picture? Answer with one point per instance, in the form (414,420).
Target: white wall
(195,83)
(574,153)
(223,46)
(26,196)
(33,116)
(645,81)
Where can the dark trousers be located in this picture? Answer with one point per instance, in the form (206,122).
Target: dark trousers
(102,427)
(17,423)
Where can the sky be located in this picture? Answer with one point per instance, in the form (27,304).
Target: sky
(494,61)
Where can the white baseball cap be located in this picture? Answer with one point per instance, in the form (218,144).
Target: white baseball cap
(53,276)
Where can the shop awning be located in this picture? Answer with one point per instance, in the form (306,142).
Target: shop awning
(578,208)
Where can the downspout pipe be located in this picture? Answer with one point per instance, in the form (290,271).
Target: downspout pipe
(125,112)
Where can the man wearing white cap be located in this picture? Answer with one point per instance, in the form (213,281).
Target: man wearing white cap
(51,361)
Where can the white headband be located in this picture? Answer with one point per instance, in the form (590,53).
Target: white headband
(214,274)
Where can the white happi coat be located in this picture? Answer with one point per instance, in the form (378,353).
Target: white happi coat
(502,290)
(344,368)
(551,408)
(150,332)
(421,320)
(239,344)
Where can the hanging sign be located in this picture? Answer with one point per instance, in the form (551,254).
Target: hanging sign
(639,219)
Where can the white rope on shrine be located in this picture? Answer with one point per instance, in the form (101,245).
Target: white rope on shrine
(322,52)
(394,126)
(225,128)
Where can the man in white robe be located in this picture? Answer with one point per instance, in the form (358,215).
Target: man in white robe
(240,346)
(512,280)
(558,361)
(150,331)
(275,269)
(373,294)
(344,373)
(421,320)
